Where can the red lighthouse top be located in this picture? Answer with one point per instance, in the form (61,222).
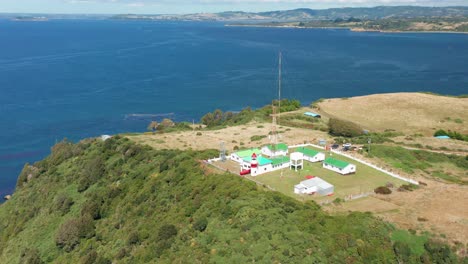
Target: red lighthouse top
(254,156)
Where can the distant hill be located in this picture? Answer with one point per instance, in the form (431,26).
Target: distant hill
(305,14)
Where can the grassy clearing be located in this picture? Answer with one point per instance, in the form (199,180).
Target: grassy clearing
(415,243)
(365,179)
(451,168)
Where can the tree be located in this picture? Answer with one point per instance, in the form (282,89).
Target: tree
(153,126)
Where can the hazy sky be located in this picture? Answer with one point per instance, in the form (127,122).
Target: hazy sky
(193,6)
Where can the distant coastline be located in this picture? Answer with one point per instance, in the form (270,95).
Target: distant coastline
(343,28)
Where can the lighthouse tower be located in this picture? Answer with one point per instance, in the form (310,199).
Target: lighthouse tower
(254,163)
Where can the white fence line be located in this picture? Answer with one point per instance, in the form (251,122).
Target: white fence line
(394,175)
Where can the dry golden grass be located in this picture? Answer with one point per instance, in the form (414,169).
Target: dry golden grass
(406,112)
(442,206)
(231,136)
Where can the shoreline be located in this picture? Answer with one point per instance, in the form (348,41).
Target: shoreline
(345,28)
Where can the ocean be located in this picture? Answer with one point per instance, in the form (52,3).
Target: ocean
(83,78)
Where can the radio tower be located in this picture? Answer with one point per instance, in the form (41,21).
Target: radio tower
(275,116)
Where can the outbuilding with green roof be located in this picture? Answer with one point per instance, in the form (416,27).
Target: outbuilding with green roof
(241,154)
(275,150)
(311,155)
(342,167)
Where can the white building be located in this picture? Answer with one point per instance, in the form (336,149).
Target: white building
(297,161)
(314,185)
(240,155)
(339,166)
(257,165)
(280,149)
(311,155)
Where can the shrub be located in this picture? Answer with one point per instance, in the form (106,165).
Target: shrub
(257,137)
(133,238)
(63,203)
(72,231)
(407,187)
(30,256)
(199,133)
(166,232)
(90,258)
(440,132)
(91,208)
(383,190)
(343,128)
(200,224)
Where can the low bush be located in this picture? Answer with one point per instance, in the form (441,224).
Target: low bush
(70,233)
(338,127)
(383,190)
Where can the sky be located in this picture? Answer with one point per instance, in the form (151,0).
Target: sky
(194,6)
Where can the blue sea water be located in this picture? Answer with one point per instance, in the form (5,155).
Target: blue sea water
(85,78)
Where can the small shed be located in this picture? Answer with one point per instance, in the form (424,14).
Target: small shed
(339,166)
(271,150)
(311,155)
(312,114)
(314,185)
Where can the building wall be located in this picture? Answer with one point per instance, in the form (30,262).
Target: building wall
(236,158)
(351,168)
(326,191)
(266,151)
(319,157)
(261,169)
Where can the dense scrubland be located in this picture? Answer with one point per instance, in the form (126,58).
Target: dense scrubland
(119,202)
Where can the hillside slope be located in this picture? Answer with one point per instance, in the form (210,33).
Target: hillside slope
(406,112)
(118,202)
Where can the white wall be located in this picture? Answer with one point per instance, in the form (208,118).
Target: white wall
(261,169)
(266,151)
(319,157)
(351,168)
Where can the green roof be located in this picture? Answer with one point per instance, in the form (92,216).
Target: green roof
(337,163)
(248,152)
(280,146)
(307,151)
(261,160)
(280,160)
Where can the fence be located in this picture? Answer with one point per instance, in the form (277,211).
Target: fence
(394,175)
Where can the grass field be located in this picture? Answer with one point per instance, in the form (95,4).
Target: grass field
(405,112)
(366,179)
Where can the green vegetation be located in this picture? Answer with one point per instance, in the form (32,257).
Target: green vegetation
(257,137)
(167,125)
(218,118)
(302,121)
(375,138)
(451,134)
(338,127)
(141,205)
(411,160)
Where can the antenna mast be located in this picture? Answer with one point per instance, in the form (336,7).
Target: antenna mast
(275,117)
